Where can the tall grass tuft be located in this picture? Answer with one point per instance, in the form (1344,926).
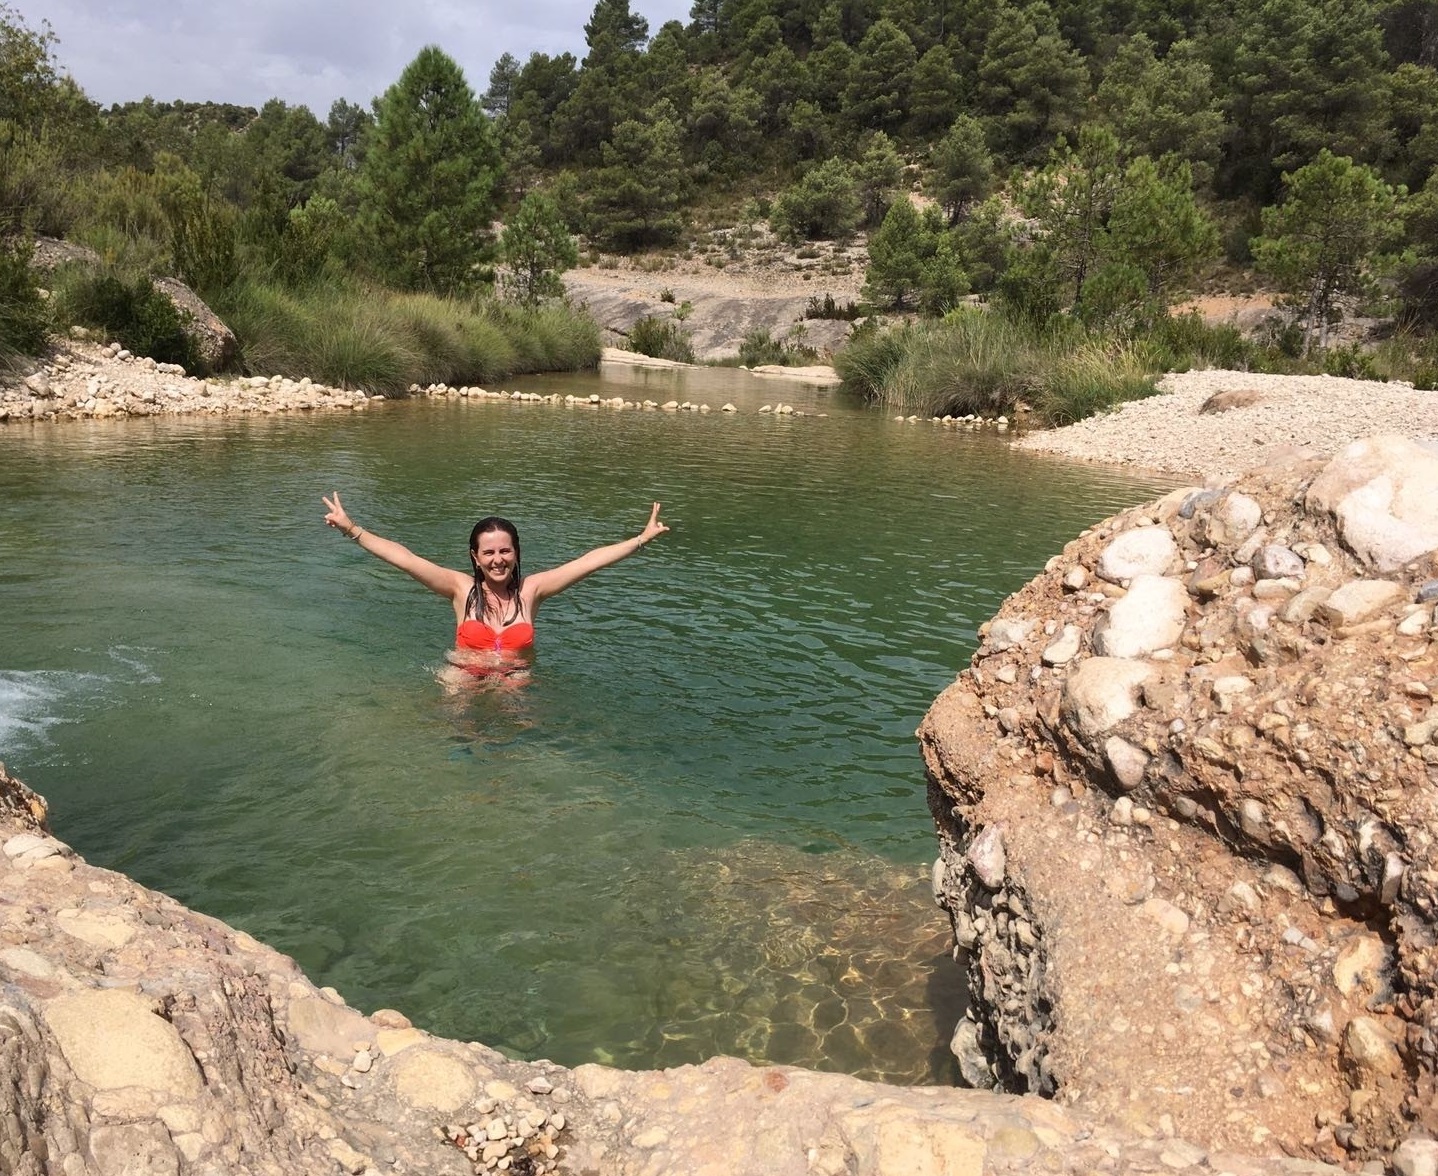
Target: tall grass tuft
(985,362)
(1098,375)
(358,337)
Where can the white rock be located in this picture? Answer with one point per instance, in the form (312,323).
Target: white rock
(1149,617)
(1360,600)
(1005,634)
(1102,692)
(1383,494)
(1416,1157)
(1141,551)
(986,856)
(1127,762)
(1065,649)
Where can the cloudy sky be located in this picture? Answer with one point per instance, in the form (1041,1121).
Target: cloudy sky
(304,51)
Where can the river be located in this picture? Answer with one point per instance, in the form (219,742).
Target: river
(699,828)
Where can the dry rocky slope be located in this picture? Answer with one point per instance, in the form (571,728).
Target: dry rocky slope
(1187,796)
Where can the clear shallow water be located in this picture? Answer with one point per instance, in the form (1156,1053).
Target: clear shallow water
(699,828)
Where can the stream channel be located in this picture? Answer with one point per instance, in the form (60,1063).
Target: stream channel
(698,828)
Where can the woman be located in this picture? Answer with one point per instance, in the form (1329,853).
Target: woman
(495,605)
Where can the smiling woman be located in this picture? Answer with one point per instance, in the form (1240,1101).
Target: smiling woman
(495,605)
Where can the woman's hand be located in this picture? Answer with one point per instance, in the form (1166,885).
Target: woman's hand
(337,518)
(654,528)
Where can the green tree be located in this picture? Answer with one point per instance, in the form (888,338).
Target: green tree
(1157,227)
(1157,237)
(636,195)
(1163,107)
(878,175)
(535,249)
(823,204)
(544,85)
(896,258)
(1324,242)
(1414,105)
(503,77)
(963,170)
(934,100)
(1305,75)
(346,126)
(1031,83)
(1071,199)
(613,32)
(881,77)
(427,188)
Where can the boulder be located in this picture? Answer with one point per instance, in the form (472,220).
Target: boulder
(1149,617)
(1143,551)
(218,348)
(1382,493)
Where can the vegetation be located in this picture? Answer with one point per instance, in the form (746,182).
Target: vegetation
(1087,165)
(661,338)
(354,336)
(356,251)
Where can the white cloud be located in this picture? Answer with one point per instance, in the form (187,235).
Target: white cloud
(303,51)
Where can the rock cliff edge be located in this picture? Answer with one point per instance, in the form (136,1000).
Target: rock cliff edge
(1186,802)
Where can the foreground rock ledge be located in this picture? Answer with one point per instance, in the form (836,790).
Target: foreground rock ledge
(1187,797)
(138,1037)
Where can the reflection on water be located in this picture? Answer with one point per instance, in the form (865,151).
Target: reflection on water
(698,827)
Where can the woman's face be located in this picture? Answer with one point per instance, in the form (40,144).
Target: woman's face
(494,553)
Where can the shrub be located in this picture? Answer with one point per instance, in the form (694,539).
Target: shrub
(131,311)
(760,347)
(824,204)
(23,318)
(661,338)
(829,309)
(1097,376)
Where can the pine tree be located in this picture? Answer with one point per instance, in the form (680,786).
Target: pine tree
(934,100)
(1306,75)
(881,77)
(635,196)
(1324,242)
(896,258)
(1031,83)
(428,182)
(963,169)
(1163,107)
(878,175)
(535,249)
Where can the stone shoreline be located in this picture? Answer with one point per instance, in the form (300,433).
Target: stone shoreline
(82,381)
(1171,432)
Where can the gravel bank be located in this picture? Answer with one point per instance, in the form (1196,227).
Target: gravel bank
(1167,433)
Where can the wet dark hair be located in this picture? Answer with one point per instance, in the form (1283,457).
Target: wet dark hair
(474,606)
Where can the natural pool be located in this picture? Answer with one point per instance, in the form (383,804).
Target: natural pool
(700,828)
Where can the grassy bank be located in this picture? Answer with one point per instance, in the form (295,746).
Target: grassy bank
(344,335)
(384,342)
(984,362)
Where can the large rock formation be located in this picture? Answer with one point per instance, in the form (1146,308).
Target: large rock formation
(1187,807)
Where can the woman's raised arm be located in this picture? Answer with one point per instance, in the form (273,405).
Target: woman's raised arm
(556,580)
(443,581)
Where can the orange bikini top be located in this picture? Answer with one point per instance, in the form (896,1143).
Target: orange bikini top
(473,634)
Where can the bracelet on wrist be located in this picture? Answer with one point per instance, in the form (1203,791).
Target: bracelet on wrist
(355,534)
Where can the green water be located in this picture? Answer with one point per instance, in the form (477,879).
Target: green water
(699,828)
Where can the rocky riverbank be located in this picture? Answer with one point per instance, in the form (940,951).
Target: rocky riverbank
(1185,796)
